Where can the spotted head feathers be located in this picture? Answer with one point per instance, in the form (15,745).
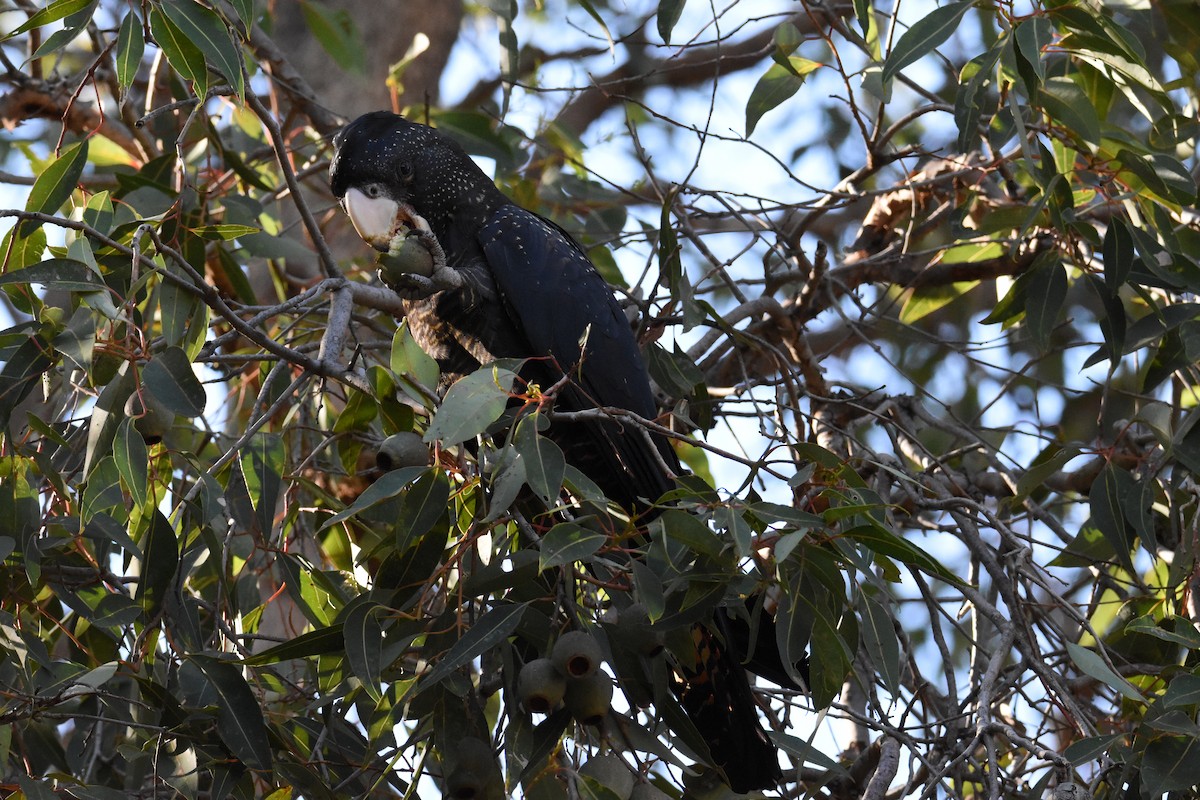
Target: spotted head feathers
(383,154)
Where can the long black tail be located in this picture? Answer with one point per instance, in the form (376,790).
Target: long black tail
(715,693)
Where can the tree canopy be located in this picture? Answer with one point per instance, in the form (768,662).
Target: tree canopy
(915,284)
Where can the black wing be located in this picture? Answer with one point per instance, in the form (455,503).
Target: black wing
(560,302)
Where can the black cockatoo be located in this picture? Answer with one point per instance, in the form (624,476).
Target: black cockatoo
(506,283)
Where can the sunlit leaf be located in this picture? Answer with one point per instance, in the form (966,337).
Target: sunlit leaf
(56,182)
(204,29)
(131,46)
(926,34)
(51,13)
(181,52)
(777,84)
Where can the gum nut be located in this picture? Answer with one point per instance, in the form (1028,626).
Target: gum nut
(404,449)
(635,624)
(409,258)
(465,784)
(576,654)
(153,421)
(588,698)
(541,686)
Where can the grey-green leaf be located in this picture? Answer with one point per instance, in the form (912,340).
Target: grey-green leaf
(669,12)
(129,451)
(240,722)
(544,461)
(566,543)
(171,381)
(471,405)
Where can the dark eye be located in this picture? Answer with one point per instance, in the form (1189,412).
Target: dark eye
(405,168)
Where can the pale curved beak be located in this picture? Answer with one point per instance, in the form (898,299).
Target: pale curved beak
(373,217)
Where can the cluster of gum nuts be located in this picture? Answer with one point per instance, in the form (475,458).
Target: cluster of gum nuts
(572,676)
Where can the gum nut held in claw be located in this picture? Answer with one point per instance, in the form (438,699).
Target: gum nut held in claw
(408,257)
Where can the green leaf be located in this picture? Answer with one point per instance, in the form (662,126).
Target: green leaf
(1069,105)
(334,28)
(181,53)
(689,531)
(408,359)
(262,461)
(787,40)
(1161,174)
(240,722)
(879,637)
(391,484)
(567,543)
(1171,764)
(425,503)
(1093,666)
(925,300)
(928,33)
(319,642)
(777,84)
(57,181)
(471,405)
(364,646)
(1047,293)
(544,461)
(224,232)
(669,12)
(160,562)
(63,274)
(1092,748)
(129,451)
(974,80)
(170,380)
(1032,36)
(51,13)
(247,11)
(1107,514)
(886,543)
(488,631)
(131,46)
(1119,255)
(207,31)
